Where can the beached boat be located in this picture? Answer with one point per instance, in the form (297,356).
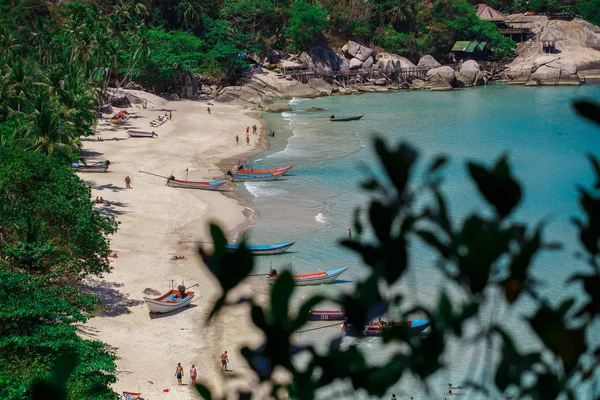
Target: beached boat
(317,278)
(264,249)
(235,177)
(170,301)
(136,133)
(344,119)
(206,185)
(89,168)
(263,171)
(326,315)
(376,329)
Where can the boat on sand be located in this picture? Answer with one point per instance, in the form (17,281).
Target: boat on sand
(141,134)
(316,278)
(326,315)
(204,185)
(89,168)
(264,249)
(170,301)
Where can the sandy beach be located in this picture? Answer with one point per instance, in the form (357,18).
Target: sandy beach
(158,222)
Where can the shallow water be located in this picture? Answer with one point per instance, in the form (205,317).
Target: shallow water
(314,204)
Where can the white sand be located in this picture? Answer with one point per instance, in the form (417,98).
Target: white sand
(154,219)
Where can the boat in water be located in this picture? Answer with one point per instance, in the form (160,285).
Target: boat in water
(316,278)
(326,315)
(333,118)
(242,170)
(89,168)
(378,328)
(255,177)
(141,134)
(203,185)
(170,301)
(264,249)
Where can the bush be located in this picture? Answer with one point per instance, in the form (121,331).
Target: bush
(307,24)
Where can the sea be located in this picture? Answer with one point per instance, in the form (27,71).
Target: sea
(546,143)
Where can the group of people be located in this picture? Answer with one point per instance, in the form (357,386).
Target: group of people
(194,372)
(254,132)
(99,200)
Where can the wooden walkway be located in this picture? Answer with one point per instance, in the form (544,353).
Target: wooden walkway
(391,75)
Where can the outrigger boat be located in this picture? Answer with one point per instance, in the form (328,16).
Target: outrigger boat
(242,170)
(264,249)
(89,168)
(377,329)
(136,133)
(170,301)
(235,177)
(344,119)
(205,185)
(316,278)
(326,315)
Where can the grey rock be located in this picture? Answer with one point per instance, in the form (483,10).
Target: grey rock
(357,50)
(314,109)
(380,81)
(441,74)
(441,86)
(368,63)
(398,62)
(151,292)
(553,70)
(355,63)
(324,88)
(387,64)
(428,62)
(417,84)
(322,56)
(278,107)
(470,75)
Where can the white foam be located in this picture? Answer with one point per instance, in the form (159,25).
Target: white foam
(297,100)
(263,189)
(287,114)
(320,218)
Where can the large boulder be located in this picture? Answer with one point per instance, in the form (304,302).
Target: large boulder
(417,84)
(428,62)
(322,56)
(441,86)
(321,86)
(278,107)
(357,50)
(394,61)
(355,63)
(441,74)
(368,63)
(470,75)
(553,70)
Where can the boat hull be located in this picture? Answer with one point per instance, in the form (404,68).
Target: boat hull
(264,249)
(141,134)
(326,315)
(90,169)
(168,302)
(374,330)
(209,185)
(264,171)
(318,278)
(344,119)
(256,177)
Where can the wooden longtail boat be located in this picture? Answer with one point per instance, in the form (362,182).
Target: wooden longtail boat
(263,171)
(206,185)
(170,301)
(326,315)
(89,168)
(316,278)
(136,133)
(344,119)
(375,329)
(264,249)
(235,177)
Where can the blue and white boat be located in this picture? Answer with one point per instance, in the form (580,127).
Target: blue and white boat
(89,168)
(262,249)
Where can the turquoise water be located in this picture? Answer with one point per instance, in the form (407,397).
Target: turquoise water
(314,204)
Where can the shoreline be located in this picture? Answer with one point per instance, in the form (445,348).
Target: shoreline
(157,222)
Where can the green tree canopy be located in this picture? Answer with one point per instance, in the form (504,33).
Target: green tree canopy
(307,24)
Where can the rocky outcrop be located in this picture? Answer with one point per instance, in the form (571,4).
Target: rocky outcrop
(355,63)
(277,107)
(393,61)
(552,70)
(441,86)
(265,87)
(441,74)
(128,97)
(321,86)
(576,40)
(322,56)
(314,109)
(428,62)
(417,84)
(470,75)
(357,50)
(368,63)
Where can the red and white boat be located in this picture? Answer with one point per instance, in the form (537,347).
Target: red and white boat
(264,171)
(204,185)
(170,301)
(316,278)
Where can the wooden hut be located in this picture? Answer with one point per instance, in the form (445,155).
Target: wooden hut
(470,50)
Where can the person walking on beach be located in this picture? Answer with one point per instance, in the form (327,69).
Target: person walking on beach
(248,140)
(179,373)
(349,233)
(254,129)
(128,182)
(193,374)
(224,360)
(208,109)
(247,130)
(237,139)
